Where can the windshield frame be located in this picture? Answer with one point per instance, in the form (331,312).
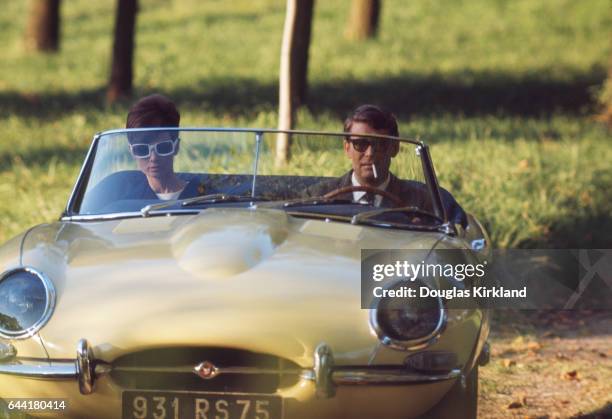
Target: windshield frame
(70,212)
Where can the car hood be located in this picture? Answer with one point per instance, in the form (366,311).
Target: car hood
(254,279)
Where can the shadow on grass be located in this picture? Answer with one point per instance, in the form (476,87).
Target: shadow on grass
(51,105)
(589,232)
(466,93)
(41,157)
(584,231)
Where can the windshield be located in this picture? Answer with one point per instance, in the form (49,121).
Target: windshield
(130,169)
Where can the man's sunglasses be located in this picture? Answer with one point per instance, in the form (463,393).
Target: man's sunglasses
(162,149)
(362,144)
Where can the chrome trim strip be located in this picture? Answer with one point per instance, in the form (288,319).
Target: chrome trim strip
(22,244)
(347,219)
(432,182)
(366,376)
(300,214)
(258,138)
(49,304)
(85,367)
(220,370)
(255,131)
(77,184)
(42,369)
(102,217)
(323,365)
(119,215)
(66,370)
(146,210)
(357,218)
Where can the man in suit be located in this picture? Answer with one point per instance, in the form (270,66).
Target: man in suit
(370,160)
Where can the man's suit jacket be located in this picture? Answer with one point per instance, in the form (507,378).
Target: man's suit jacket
(412,192)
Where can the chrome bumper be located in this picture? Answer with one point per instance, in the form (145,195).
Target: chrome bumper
(325,376)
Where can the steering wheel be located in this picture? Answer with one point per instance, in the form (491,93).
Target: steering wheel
(365,188)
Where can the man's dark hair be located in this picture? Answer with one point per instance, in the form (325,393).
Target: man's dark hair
(376,117)
(152,111)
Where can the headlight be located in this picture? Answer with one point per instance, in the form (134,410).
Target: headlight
(408,322)
(27,299)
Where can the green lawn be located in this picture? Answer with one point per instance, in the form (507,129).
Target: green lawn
(502,90)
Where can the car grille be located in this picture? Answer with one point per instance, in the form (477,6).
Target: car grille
(173,369)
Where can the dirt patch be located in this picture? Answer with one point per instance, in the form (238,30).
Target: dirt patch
(548,364)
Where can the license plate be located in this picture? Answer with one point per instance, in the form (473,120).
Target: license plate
(200,405)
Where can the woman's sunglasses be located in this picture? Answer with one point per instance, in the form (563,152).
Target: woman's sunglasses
(162,149)
(361,144)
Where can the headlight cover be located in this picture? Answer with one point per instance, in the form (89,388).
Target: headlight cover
(408,323)
(27,299)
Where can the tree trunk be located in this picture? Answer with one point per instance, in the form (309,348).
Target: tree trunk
(120,84)
(293,70)
(363,21)
(42,33)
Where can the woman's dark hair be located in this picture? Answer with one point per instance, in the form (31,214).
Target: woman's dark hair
(153,111)
(376,117)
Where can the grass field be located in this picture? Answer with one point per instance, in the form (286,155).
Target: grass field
(502,90)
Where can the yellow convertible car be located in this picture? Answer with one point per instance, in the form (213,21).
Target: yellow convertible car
(194,273)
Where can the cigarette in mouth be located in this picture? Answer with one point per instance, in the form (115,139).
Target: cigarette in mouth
(374,170)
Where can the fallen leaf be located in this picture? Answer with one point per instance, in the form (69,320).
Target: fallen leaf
(515,405)
(508,362)
(570,375)
(602,355)
(534,346)
(562,356)
(565,402)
